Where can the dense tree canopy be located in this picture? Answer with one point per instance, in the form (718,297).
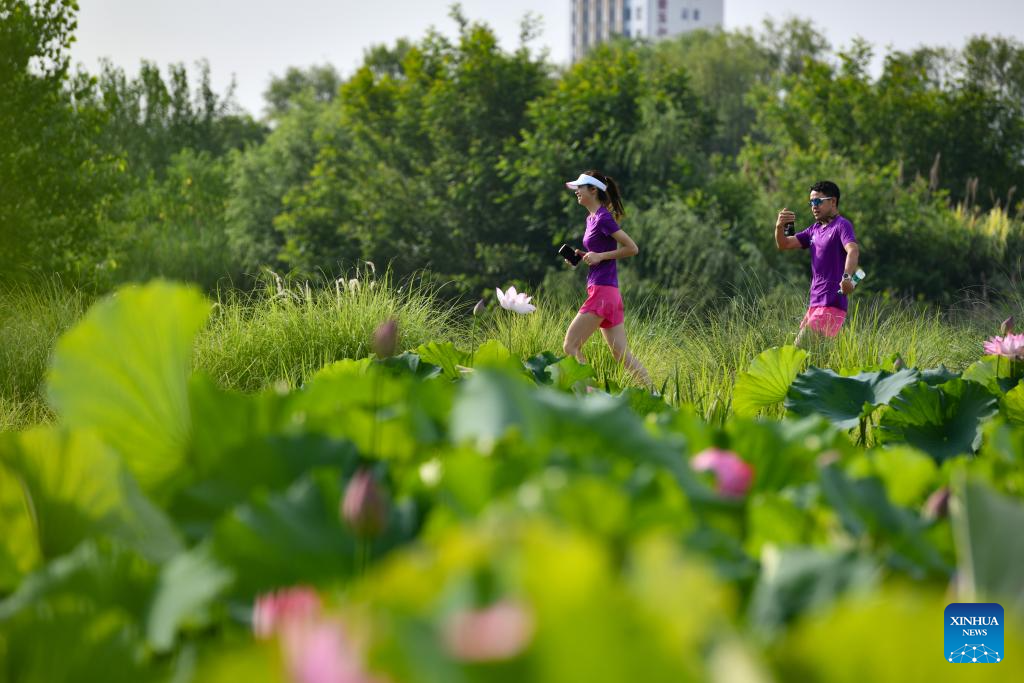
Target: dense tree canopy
(447,155)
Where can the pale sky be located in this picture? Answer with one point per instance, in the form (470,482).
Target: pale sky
(255,39)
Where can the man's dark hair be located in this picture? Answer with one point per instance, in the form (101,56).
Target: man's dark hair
(827,188)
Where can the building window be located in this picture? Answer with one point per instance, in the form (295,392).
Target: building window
(686,13)
(662,31)
(626,33)
(662,4)
(625,12)
(662,17)
(696,15)
(639,13)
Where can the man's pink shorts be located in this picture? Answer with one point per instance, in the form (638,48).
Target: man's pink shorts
(824,319)
(605,302)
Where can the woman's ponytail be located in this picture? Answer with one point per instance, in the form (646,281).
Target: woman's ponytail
(611,198)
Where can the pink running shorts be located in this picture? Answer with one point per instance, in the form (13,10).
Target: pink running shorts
(824,319)
(605,302)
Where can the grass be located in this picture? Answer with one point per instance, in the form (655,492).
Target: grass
(285,332)
(32,318)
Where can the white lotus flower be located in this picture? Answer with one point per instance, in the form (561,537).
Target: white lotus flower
(515,301)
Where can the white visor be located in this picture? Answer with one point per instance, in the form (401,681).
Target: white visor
(585,179)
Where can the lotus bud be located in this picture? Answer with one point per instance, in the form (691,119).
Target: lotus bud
(385,338)
(733,476)
(937,505)
(363,508)
(1007,327)
(479,308)
(899,364)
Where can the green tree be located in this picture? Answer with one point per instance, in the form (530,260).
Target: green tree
(261,176)
(319,83)
(52,176)
(406,169)
(952,118)
(150,118)
(624,109)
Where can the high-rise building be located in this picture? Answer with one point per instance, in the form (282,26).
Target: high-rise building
(594,21)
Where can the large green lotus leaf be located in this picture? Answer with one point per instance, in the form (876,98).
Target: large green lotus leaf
(123,370)
(283,538)
(642,401)
(102,573)
(345,383)
(491,406)
(1001,443)
(987,527)
(845,400)
(797,580)
(781,453)
(244,442)
(993,372)
(592,627)
(605,425)
(493,354)
(943,421)
(864,507)
(67,643)
(19,542)
(767,380)
(906,472)
(568,371)
(77,488)
(187,587)
(78,619)
(536,365)
(265,463)
(445,356)
(939,375)
(1013,404)
(223,420)
(405,363)
(240,659)
(778,519)
(385,415)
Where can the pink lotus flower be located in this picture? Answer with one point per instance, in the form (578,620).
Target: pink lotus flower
(497,632)
(1011,346)
(732,475)
(515,301)
(274,611)
(321,652)
(363,508)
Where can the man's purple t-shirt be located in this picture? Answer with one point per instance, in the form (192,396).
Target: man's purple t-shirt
(828,258)
(598,238)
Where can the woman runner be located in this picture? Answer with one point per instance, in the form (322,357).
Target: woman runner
(605,242)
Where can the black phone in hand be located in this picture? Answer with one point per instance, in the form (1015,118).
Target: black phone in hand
(569,254)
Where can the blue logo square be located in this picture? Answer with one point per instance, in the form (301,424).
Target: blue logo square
(974,633)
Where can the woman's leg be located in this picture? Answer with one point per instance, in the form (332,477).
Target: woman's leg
(584,325)
(616,338)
